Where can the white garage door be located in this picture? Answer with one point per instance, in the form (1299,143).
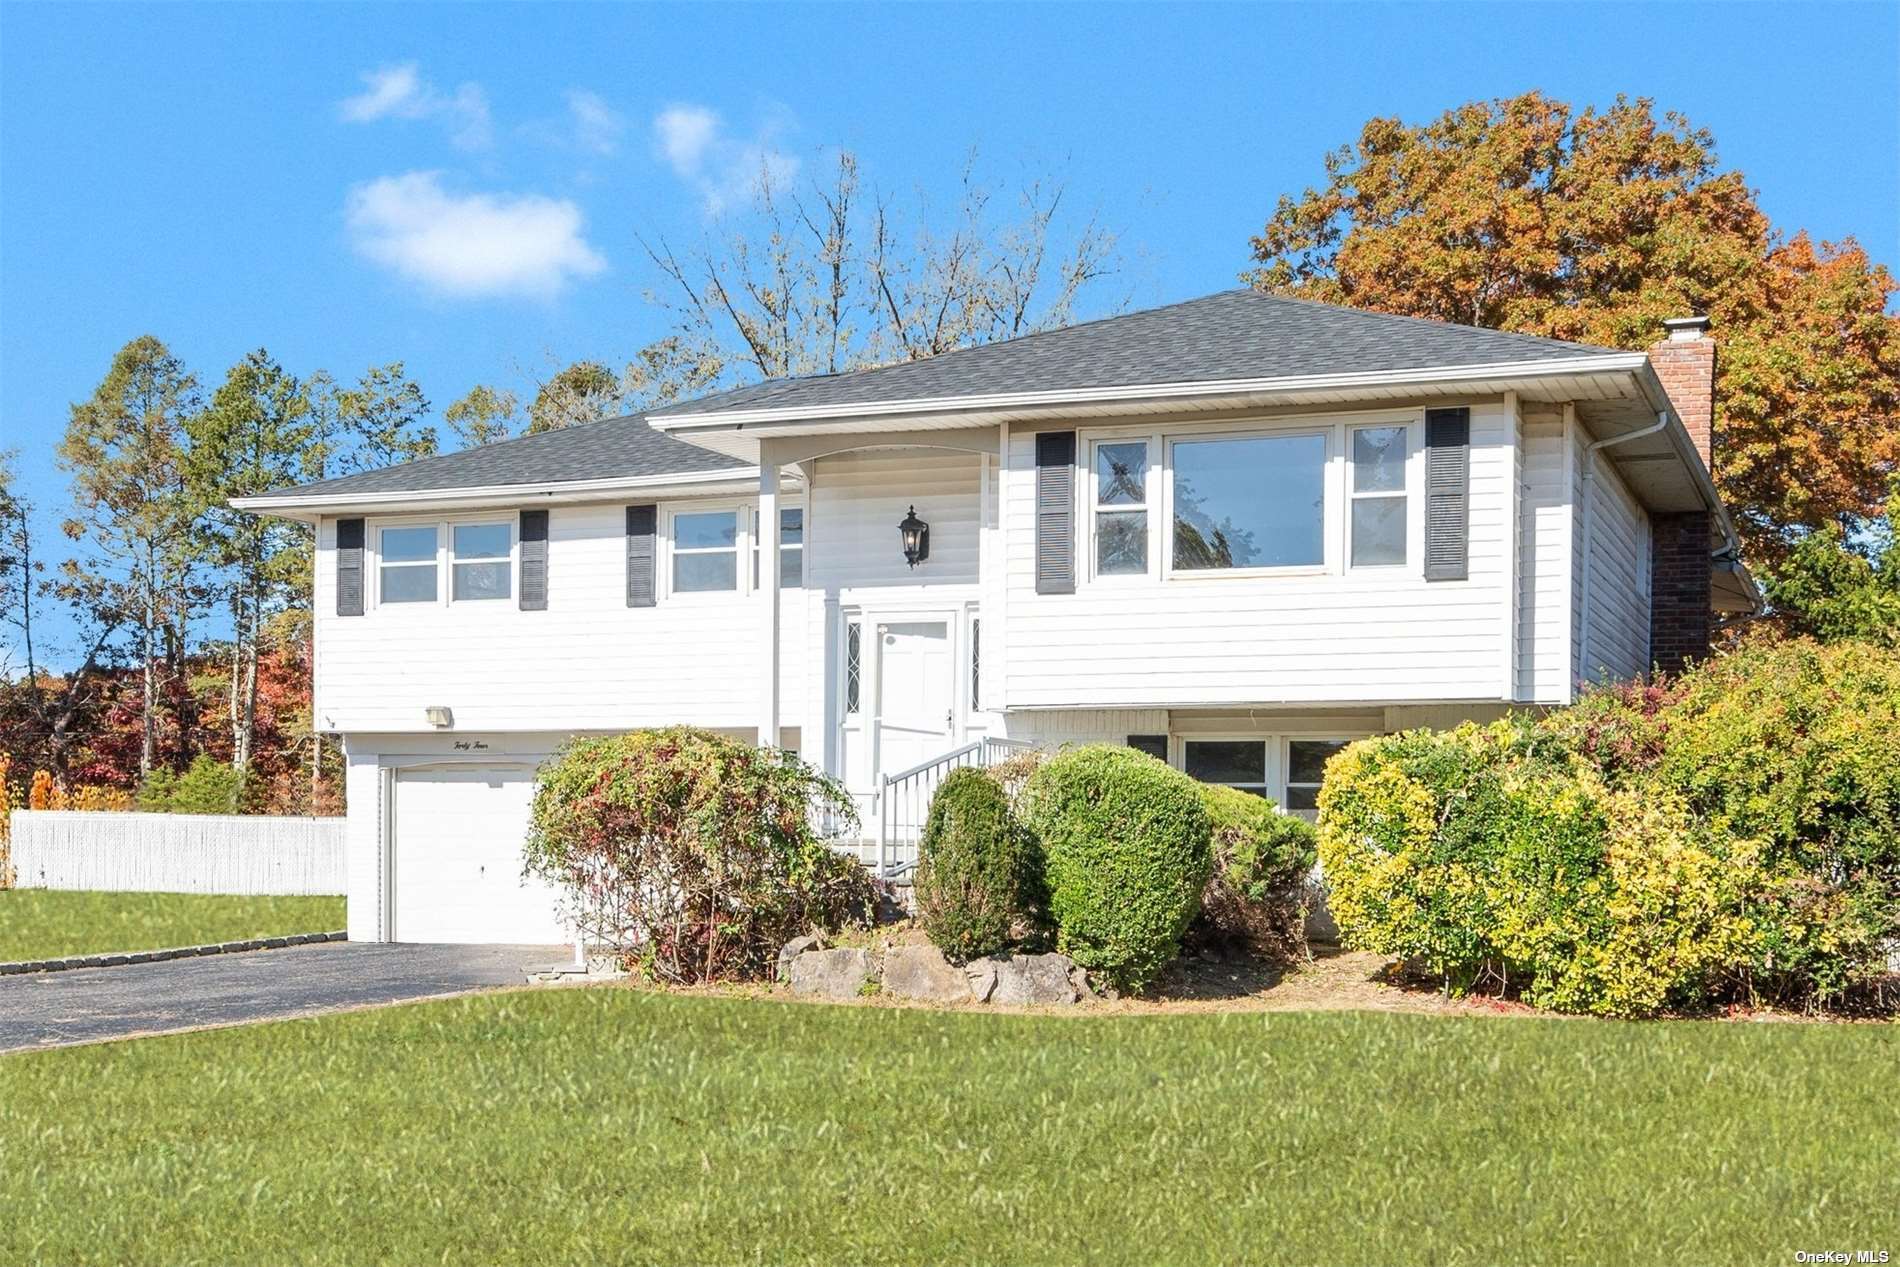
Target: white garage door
(457,859)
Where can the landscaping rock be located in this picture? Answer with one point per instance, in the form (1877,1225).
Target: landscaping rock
(792,950)
(981,976)
(1034,980)
(833,974)
(921,972)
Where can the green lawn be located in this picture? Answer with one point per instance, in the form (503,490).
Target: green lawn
(617,1125)
(47,924)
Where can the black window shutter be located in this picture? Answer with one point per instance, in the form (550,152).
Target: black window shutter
(1154,745)
(349,567)
(1447,494)
(1055,512)
(534,560)
(641,554)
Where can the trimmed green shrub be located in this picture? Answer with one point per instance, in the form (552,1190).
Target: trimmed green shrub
(1256,890)
(976,868)
(1125,846)
(692,853)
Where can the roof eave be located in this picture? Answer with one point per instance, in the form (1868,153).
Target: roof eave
(684,424)
(308,507)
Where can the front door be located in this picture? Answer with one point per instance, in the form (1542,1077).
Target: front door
(916,693)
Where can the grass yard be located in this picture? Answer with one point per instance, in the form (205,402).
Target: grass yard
(619,1125)
(50,924)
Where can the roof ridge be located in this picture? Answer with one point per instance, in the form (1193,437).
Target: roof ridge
(1435,322)
(1016,340)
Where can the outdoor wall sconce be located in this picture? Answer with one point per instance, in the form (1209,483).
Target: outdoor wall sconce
(916,534)
(439,717)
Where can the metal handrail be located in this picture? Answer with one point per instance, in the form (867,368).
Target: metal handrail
(983,751)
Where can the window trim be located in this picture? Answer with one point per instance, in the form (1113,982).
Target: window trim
(1336,425)
(1267,754)
(758,540)
(513,525)
(1328,432)
(1286,764)
(744,513)
(445,526)
(1153,472)
(1413,548)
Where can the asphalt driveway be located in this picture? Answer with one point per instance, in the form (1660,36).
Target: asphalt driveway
(53,1008)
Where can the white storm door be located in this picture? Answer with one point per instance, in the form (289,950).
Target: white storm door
(916,712)
(457,859)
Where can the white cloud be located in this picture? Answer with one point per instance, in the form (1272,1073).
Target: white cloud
(400,92)
(597,125)
(693,141)
(470,245)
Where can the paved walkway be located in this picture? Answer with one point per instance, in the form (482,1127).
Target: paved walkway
(55,1008)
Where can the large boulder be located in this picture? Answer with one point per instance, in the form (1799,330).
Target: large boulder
(833,974)
(1024,980)
(792,950)
(922,973)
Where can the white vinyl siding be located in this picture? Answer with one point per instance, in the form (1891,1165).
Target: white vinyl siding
(587,662)
(1329,635)
(1617,640)
(1544,562)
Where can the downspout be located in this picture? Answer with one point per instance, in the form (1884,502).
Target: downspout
(1589,526)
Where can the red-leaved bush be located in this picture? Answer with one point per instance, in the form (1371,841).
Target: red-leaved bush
(692,854)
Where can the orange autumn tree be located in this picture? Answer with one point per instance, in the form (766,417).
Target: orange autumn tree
(1527,215)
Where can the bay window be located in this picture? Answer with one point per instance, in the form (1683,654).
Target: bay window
(1378,499)
(1249,502)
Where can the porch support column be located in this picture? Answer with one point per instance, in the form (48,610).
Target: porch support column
(767,528)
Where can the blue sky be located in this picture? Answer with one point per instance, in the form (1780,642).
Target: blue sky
(335,182)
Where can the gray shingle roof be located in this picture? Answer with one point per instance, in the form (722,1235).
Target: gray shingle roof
(616,448)
(1235,334)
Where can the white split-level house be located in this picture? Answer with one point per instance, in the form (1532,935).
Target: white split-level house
(1234,532)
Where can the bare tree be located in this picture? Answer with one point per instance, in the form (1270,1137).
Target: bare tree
(826,279)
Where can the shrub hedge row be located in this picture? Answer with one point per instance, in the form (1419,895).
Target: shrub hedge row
(1733,834)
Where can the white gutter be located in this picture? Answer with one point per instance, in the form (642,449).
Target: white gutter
(739,419)
(1589,523)
(290,502)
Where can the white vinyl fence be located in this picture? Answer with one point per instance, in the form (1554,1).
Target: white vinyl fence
(177,853)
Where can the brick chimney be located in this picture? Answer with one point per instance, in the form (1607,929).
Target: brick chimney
(1680,563)
(1685,362)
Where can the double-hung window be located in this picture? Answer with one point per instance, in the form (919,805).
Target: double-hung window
(706,551)
(1235,763)
(482,563)
(1378,497)
(1121,508)
(1248,502)
(791,549)
(406,564)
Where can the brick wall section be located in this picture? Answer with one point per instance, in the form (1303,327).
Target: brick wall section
(1680,570)
(1687,370)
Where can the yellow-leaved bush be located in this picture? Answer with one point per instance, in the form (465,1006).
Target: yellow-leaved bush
(1731,834)
(1495,864)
